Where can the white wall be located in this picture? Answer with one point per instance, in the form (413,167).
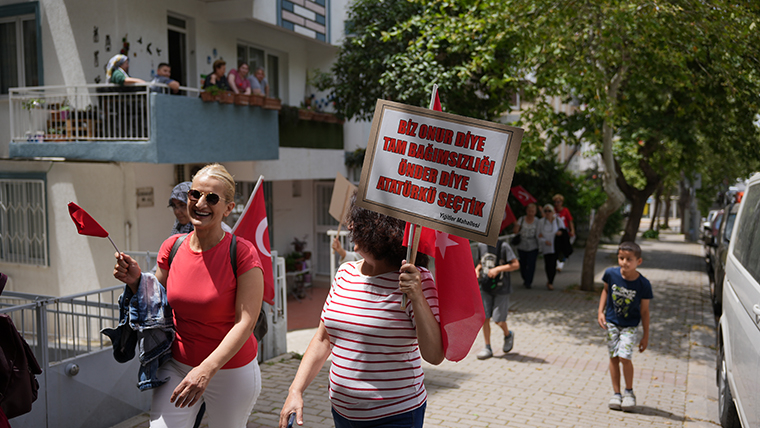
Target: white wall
(77,263)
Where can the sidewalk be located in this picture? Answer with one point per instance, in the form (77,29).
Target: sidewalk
(557,373)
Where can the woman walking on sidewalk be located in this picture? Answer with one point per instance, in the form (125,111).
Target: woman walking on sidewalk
(527,249)
(548,228)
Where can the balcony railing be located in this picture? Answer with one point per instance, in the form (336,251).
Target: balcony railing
(102,112)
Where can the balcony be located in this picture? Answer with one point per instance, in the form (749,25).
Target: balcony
(133,124)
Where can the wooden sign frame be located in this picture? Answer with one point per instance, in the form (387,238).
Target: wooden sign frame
(443,171)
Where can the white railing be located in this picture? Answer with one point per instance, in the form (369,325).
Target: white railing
(102,112)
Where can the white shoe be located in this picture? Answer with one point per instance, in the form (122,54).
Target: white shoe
(629,401)
(615,402)
(560,265)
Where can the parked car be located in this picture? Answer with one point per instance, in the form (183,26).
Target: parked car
(717,253)
(707,225)
(710,240)
(738,376)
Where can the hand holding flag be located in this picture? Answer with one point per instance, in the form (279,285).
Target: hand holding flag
(86,225)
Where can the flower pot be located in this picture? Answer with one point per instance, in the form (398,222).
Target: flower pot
(331,118)
(242,99)
(256,100)
(228,97)
(305,114)
(320,117)
(272,104)
(207,97)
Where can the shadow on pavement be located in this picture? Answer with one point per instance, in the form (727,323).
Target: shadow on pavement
(646,410)
(515,356)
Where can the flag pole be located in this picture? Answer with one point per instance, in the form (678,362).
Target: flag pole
(415,229)
(114,245)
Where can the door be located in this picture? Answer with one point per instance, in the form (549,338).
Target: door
(177,35)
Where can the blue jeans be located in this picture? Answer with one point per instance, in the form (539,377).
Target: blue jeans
(528,266)
(411,419)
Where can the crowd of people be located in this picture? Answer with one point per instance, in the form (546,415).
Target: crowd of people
(237,80)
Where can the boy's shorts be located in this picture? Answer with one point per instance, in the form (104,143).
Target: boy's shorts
(621,341)
(495,306)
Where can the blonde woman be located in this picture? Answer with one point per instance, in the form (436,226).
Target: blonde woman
(213,358)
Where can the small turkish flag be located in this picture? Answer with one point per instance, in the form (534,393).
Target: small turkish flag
(509,218)
(86,225)
(523,196)
(254,227)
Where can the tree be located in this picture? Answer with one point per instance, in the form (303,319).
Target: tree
(647,79)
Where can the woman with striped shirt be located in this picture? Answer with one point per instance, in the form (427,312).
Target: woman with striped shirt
(376,346)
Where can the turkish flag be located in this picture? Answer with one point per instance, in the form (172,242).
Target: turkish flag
(253,226)
(86,225)
(509,218)
(459,302)
(523,196)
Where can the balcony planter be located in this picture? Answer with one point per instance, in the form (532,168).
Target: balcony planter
(207,97)
(256,100)
(227,97)
(305,114)
(272,104)
(321,117)
(242,99)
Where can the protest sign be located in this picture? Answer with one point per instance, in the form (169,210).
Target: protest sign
(341,198)
(439,170)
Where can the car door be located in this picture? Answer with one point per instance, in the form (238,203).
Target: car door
(741,306)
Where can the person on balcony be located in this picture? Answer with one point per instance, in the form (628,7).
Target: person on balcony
(164,76)
(215,309)
(238,79)
(217,77)
(117,71)
(259,84)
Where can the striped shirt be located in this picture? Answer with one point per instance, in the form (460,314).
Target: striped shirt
(376,368)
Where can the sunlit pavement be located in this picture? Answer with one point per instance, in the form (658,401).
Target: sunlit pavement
(557,373)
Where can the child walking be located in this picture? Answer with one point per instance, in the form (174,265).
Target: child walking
(624,304)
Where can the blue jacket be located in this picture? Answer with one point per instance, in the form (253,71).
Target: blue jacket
(145,320)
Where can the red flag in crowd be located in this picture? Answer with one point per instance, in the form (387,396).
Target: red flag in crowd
(253,226)
(509,218)
(86,225)
(460,306)
(523,196)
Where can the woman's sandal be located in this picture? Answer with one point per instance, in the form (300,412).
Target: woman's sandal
(549,287)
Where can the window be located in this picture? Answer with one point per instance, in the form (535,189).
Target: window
(257,57)
(746,239)
(23,222)
(20,52)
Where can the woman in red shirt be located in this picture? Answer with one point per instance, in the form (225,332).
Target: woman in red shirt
(214,313)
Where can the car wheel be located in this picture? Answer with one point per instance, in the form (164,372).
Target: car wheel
(727,414)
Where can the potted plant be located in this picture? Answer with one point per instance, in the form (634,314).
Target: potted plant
(305,114)
(211,93)
(256,100)
(227,97)
(242,99)
(272,104)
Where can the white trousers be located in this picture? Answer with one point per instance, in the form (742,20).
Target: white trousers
(229,397)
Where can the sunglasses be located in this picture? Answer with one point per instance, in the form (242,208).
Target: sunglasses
(548,211)
(195,196)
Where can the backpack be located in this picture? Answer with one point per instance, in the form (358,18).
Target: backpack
(262,325)
(18,367)
(489,261)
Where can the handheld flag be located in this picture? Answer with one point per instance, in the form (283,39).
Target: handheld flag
(461,307)
(86,225)
(509,218)
(253,226)
(523,196)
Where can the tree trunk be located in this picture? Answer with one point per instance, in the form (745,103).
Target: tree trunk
(656,209)
(683,203)
(666,201)
(638,202)
(615,197)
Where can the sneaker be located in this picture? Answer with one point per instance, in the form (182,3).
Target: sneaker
(509,342)
(560,265)
(485,354)
(629,401)
(616,402)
